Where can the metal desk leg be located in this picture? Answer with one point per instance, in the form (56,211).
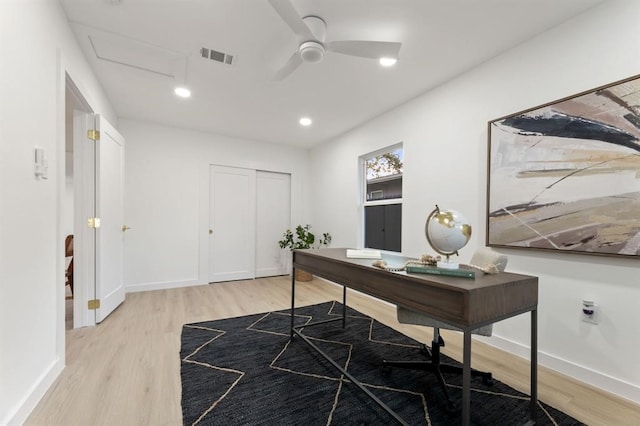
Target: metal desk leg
(344,306)
(534,365)
(466,379)
(293,298)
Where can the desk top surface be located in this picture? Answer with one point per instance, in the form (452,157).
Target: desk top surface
(393,261)
(460,301)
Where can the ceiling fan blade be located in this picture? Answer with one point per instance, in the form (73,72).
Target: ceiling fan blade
(288,13)
(365,49)
(294,62)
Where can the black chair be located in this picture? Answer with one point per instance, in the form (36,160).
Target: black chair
(483,259)
(68,253)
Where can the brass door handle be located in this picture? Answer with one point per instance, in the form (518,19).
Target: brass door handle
(210,231)
(125,228)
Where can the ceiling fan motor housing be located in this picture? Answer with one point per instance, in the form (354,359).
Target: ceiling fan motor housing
(311,51)
(311,34)
(317,26)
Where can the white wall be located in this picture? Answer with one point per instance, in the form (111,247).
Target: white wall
(445,141)
(35,40)
(166,197)
(444,133)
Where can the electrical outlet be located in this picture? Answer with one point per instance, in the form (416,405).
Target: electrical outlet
(590,312)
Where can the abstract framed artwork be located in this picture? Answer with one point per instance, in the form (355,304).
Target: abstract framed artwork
(565,176)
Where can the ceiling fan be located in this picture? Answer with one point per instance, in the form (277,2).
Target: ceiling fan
(311,32)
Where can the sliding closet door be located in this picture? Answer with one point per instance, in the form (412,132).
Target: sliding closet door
(232,223)
(273,212)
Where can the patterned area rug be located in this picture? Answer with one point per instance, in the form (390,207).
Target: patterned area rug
(245,371)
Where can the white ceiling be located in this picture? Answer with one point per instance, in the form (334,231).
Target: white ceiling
(157,38)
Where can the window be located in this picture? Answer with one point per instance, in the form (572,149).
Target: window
(382,200)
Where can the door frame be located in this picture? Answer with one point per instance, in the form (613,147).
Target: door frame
(63,78)
(83,207)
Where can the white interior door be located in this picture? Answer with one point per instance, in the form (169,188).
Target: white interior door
(84,207)
(232,223)
(273,217)
(110,210)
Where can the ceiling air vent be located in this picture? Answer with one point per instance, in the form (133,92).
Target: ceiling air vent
(214,55)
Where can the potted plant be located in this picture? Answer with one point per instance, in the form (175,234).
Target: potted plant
(303,238)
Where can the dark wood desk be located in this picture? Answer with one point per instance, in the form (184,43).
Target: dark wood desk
(462,302)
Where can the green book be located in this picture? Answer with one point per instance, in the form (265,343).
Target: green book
(433,270)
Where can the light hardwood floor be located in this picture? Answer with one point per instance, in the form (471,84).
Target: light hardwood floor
(126,371)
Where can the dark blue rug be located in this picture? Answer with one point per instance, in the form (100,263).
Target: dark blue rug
(245,371)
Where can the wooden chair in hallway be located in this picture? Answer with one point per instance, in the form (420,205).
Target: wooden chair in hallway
(68,253)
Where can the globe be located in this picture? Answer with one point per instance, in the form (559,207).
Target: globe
(447,231)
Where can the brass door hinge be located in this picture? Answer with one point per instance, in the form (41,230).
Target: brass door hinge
(93,222)
(94,304)
(94,135)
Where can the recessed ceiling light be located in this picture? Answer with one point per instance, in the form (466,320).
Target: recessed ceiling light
(182,91)
(305,121)
(388,62)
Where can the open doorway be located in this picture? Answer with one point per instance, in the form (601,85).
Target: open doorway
(93,210)
(75,104)
(78,200)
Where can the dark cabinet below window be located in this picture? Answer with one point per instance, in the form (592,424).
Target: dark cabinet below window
(383,227)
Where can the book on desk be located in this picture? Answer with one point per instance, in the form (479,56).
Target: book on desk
(364,254)
(434,270)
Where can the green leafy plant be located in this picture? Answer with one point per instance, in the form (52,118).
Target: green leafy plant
(303,238)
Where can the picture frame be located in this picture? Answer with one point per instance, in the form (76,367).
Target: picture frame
(565,176)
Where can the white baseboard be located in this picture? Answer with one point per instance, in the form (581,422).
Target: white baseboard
(590,377)
(24,408)
(270,272)
(162,285)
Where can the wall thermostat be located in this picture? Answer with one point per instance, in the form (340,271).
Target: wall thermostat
(40,164)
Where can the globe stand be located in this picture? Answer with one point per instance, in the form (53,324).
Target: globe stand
(448,264)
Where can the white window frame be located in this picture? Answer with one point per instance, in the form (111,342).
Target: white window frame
(363,202)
